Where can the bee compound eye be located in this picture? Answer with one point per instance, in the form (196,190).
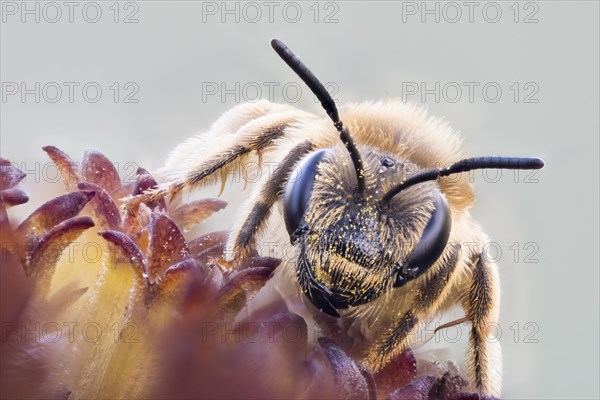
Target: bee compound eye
(298,191)
(431,245)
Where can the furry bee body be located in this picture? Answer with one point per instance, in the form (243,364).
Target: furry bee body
(390,130)
(376,243)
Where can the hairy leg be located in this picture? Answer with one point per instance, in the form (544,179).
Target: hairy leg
(431,292)
(202,159)
(482,306)
(257,208)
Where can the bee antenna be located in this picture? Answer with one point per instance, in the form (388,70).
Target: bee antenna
(465,165)
(327,103)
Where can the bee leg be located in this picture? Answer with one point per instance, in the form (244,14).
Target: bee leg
(202,160)
(225,128)
(258,206)
(431,292)
(482,307)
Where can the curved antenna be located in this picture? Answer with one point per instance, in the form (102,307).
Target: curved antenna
(327,103)
(465,165)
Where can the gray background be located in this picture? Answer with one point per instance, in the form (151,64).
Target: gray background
(369,51)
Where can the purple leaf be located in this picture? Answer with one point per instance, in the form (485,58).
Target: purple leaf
(397,373)
(446,385)
(103,206)
(98,169)
(10,176)
(416,390)
(49,249)
(125,250)
(194,212)
(348,378)
(67,167)
(233,295)
(204,242)
(258,262)
(144,182)
(167,246)
(13,197)
(54,212)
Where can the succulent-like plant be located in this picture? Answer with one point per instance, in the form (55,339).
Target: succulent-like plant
(99,301)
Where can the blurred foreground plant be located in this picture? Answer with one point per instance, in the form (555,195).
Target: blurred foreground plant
(103,302)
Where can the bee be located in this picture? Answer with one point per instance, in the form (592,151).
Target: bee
(375,208)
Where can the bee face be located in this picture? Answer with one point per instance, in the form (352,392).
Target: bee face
(353,246)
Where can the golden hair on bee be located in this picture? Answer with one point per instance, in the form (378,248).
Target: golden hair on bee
(375,211)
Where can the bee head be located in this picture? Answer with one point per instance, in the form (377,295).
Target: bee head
(353,245)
